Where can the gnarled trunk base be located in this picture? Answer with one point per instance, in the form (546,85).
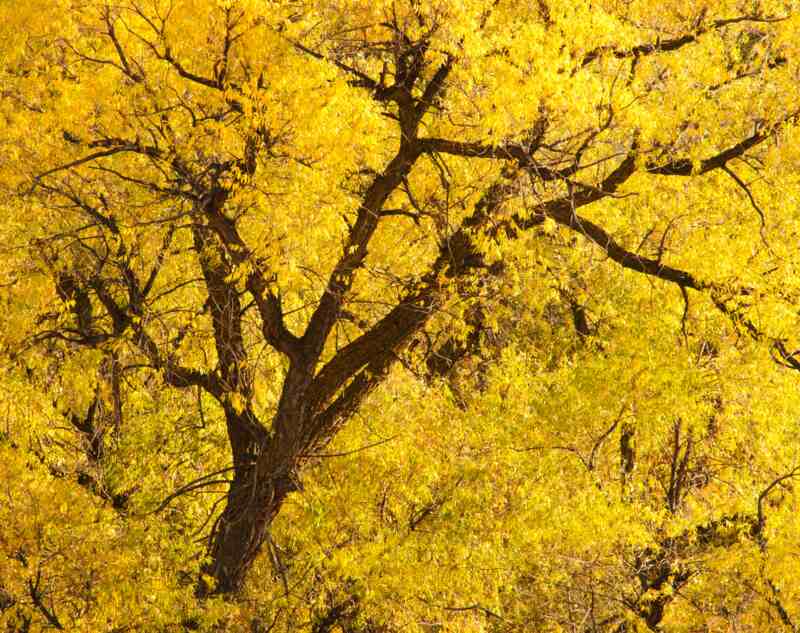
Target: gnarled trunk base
(263,477)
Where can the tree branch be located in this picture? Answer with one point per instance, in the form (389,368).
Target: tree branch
(672,44)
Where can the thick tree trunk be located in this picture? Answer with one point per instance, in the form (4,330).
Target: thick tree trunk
(264,469)
(241,529)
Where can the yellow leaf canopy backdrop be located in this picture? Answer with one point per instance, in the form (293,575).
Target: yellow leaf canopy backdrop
(399,316)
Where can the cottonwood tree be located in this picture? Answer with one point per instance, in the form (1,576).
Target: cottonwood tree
(272,204)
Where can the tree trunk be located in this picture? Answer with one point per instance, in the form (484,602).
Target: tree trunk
(263,477)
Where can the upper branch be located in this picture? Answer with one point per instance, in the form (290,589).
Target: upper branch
(172,373)
(370,211)
(562,211)
(112,149)
(687,167)
(457,256)
(355,251)
(358,79)
(258,284)
(518,152)
(270,310)
(435,86)
(672,44)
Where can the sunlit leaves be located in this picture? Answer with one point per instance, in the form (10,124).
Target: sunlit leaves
(600,427)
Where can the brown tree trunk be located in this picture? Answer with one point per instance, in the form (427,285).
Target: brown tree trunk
(264,469)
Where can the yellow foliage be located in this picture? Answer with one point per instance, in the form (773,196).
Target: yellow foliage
(393,315)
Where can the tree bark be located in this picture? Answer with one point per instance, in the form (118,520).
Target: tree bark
(264,474)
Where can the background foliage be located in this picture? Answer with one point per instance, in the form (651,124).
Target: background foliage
(593,426)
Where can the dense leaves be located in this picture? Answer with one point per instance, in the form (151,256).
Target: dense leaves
(396,315)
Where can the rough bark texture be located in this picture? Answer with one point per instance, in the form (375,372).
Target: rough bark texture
(255,495)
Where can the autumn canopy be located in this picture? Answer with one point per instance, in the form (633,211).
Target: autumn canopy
(370,316)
